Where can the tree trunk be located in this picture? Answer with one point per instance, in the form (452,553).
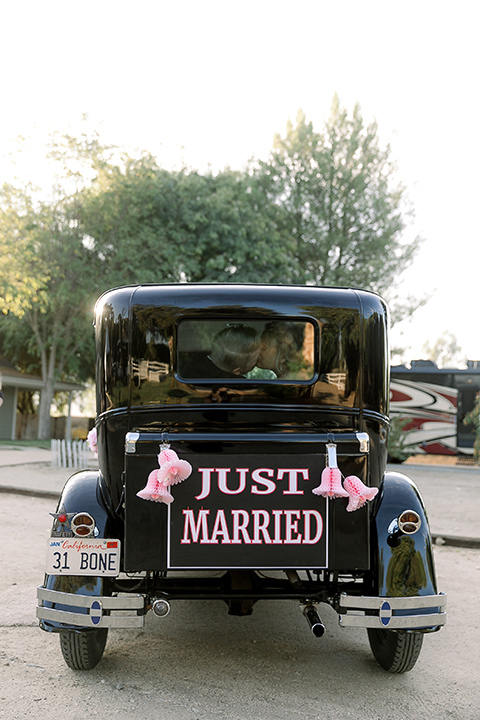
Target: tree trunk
(46,397)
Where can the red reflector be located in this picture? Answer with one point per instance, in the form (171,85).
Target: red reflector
(62,518)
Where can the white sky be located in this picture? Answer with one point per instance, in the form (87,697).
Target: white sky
(211,81)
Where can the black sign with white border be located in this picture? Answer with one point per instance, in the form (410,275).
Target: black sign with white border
(249,511)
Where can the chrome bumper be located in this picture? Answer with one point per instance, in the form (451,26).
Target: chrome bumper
(98,612)
(393,613)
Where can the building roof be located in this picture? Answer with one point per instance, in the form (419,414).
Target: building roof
(11,377)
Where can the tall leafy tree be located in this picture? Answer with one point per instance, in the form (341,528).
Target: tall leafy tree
(232,230)
(52,321)
(123,221)
(343,209)
(128,218)
(322,209)
(148,225)
(23,277)
(48,271)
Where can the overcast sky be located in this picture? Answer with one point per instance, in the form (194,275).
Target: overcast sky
(210,82)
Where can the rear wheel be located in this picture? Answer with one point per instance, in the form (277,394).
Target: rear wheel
(83,650)
(396,652)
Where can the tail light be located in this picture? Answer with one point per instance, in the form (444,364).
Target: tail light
(409,522)
(82,525)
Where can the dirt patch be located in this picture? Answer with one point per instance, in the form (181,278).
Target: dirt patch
(432,460)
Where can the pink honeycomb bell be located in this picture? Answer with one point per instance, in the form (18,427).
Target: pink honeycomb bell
(358,492)
(172,471)
(92,441)
(331,484)
(153,490)
(331,479)
(167,455)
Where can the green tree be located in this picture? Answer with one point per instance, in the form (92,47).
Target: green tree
(125,221)
(232,230)
(145,224)
(321,210)
(23,277)
(48,272)
(473,418)
(342,209)
(398,449)
(51,324)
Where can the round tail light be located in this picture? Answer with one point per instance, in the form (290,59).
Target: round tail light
(83,525)
(409,522)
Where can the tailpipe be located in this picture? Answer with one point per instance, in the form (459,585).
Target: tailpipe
(161,607)
(316,625)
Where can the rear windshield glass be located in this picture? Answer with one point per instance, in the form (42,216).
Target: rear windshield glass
(256,350)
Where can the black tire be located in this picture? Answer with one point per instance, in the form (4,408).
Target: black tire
(83,650)
(396,652)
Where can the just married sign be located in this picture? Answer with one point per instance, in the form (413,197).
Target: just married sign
(245,511)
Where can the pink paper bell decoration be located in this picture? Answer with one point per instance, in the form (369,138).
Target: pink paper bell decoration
(167,455)
(155,490)
(172,471)
(331,479)
(358,492)
(92,440)
(331,484)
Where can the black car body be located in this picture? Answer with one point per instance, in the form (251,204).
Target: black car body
(255,518)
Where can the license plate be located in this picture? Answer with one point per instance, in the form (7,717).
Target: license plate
(75,556)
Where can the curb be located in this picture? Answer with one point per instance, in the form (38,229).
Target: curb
(456,541)
(48,494)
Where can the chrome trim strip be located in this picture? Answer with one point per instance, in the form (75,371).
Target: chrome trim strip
(116,602)
(80,620)
(129,611)
(384,609)
(401,622)
(363,602)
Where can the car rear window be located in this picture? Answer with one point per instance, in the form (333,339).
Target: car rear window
(265,350)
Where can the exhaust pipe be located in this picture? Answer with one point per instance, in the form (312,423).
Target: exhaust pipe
(161,607)
(316,625)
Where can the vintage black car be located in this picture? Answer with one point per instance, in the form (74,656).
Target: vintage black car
(242,445)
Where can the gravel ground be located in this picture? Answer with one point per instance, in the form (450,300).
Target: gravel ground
(200,663)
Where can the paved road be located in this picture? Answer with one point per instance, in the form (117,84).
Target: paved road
(202,664)
(199,663)
(452,498)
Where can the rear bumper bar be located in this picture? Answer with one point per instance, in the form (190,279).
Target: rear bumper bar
(90,611)
(128,611)
(425,612)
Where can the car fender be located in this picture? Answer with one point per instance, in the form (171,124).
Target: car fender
(403,565)
(85,491)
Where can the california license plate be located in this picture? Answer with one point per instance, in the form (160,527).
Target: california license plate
(76,556)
